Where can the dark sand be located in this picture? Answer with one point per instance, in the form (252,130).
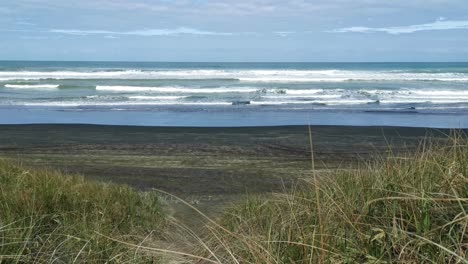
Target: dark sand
(200,161)
(206,166)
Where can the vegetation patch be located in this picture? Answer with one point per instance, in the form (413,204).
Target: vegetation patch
(405,209)
(49,217)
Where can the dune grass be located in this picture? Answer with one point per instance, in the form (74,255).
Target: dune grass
(405,208)
(48,217)
(397,209)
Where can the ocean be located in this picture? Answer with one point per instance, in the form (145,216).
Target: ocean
(234,94)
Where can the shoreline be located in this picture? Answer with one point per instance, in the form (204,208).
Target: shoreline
(237,117)
(221,127)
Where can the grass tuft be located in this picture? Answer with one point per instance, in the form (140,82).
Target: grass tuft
(49,217)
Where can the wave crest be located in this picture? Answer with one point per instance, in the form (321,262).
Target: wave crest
(279,76)
(32,86)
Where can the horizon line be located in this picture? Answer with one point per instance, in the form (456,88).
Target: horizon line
(138,61)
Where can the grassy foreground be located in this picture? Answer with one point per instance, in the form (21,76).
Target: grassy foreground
(47,217)
(395,209)
(410,209)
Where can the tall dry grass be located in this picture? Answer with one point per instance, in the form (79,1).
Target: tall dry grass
(405,208)
(398,209)
(47,217)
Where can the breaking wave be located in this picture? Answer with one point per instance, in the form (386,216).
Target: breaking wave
(35,86)
(280,76)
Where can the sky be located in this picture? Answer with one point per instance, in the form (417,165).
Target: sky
(234,30)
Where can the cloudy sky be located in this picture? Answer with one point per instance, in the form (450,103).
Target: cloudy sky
(234,30)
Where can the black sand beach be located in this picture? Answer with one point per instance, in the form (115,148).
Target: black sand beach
(201,161)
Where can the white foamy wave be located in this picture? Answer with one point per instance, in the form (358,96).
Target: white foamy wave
(346,76)
(302,96)
(157,97)
(433,98)
(418,92)
(440,92)
(97,104)
(242,75)
(420,101)
(346,102)
(174,89)
(123,74)
(38,75)
(32,86)
(324,102)
(138,97)
(415,95)
(418,95)
(304,91)
(274,79)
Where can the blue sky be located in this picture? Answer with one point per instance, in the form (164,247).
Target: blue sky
(240,30)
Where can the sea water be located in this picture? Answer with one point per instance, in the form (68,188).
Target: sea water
(234,94)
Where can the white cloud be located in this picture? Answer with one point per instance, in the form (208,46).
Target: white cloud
(178,31)
(81,32)
(284,33)
(143,32)
(440,24)
(24,23)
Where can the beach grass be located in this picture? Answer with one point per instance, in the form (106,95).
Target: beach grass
(396,209)
(48,217)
